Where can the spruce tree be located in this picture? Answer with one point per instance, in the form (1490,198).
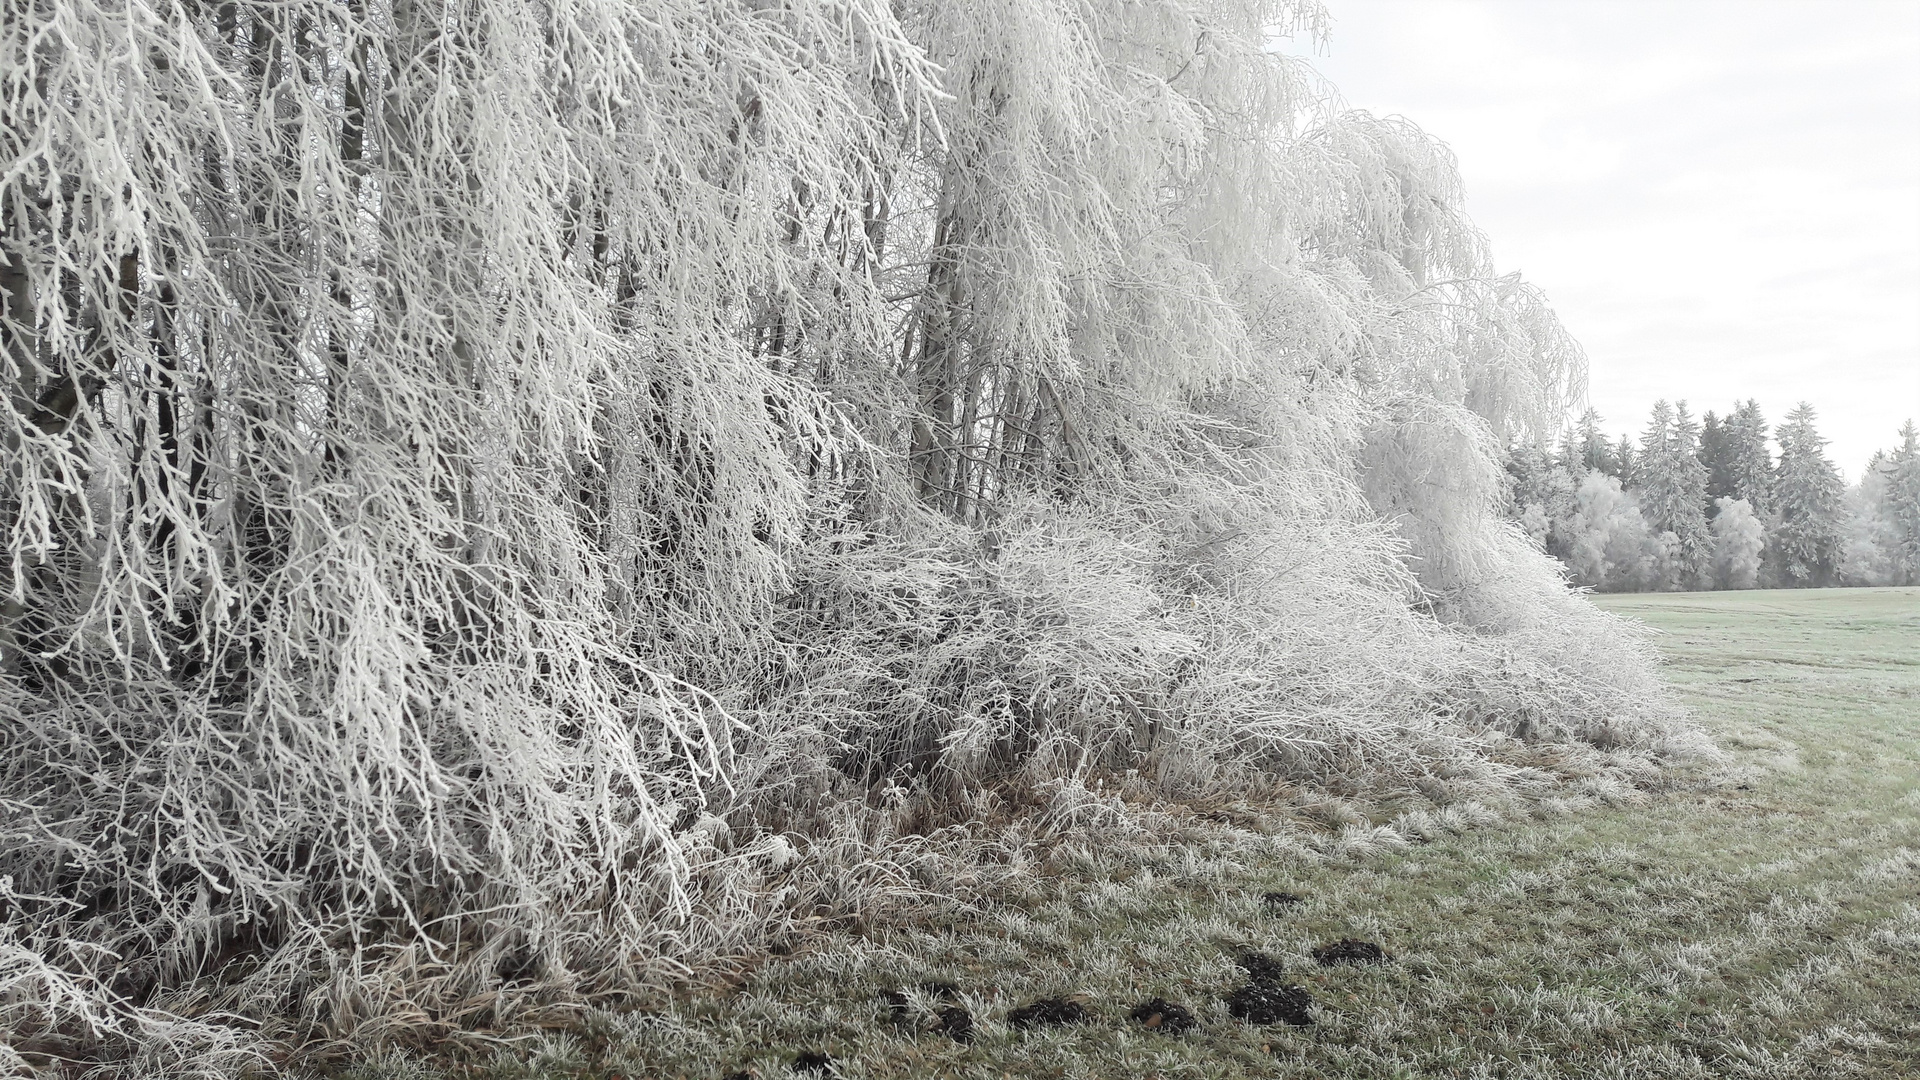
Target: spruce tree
(1672,486)
(1653,446)
(1716,454)
(1807,491)
(1589,448)
(1690,501)
(1748,465)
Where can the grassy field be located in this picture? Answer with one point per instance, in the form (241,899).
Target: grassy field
(1757,922)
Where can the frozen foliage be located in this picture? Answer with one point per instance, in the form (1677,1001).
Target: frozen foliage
(510,502)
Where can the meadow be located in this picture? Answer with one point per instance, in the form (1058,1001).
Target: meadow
(1752,920)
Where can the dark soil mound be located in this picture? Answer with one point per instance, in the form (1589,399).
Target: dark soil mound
(1261,968)
(1349,951)
(1047,1011)
(1280,901)
(900,1007)
(1270,1003)
(737,1076)
(952,1020)
(1163,1016)
(814,1061)
(957,1022)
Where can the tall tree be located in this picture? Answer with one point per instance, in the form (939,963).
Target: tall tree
(1590,450)
(1743,456)
(1807,493)
(1670,484)
(1715,454)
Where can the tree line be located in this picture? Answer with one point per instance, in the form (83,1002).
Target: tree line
(1707,503)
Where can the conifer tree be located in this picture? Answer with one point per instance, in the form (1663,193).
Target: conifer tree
(1807,491)
(1625,460)
(1715,455)
(1654,443)
(1591,450)
(1743,455)
(1670,484)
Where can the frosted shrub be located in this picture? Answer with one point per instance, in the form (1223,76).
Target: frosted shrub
(1613,548)
(1738,539)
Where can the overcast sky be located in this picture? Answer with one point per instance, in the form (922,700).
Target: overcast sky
(1722,200)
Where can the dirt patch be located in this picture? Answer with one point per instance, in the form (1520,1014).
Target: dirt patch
(1163,1016)
(1349,951)
(1266,999)
(900,1006)
(952,1021)
(1048,1011)
(813,1061)
(1270,1003)
(956,1023)
(1261,968)
(1277,902)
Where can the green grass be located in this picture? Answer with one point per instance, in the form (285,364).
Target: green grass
(1762,921)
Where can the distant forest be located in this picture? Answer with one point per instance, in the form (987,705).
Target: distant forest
(1707,504)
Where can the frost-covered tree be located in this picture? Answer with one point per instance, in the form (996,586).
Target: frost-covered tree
(1742,466)
(1807,491)
(1655,458)
(1625,459)
(1589,448)
(1870,540)
(1670,484)
(1881,514)
(1613,549)
(1715,456)
(1739,538)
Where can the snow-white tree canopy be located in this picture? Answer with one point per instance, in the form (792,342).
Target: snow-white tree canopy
(492,486)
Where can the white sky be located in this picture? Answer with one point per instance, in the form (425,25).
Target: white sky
(1722,200)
